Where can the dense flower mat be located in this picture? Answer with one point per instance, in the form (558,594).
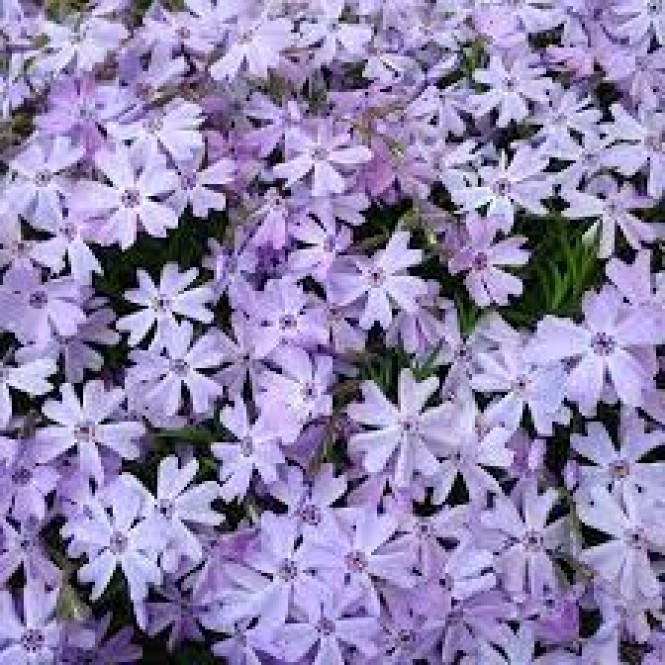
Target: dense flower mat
(331,330)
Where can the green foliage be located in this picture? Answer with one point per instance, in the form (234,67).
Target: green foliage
(562,267)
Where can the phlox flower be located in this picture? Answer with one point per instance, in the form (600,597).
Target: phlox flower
(175,295)
(88,425)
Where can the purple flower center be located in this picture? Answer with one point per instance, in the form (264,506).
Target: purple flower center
(480,261)
(179,367)
(635,539)
(310,514)
(33,640)
(376,277)
(520,384)
(501,187)
(603,344)
(287,322)
(166,508)
(409,425)
(69,231)
(118,543)
(43,178)
(532,541)
(22,476)
(288,570)
(326,626)
(130,198)
(655,142)
(84,432)
(307,390)
(246,446)
(405,637)
(188,180)
(356,561)
(22,248)
(619,469)
(320,153)
(154,124)
(38,299)
(161,303)
(446,582)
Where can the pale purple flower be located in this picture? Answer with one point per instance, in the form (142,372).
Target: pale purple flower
(39,185)
(38,312)
(624,559)
(255,449)
(30,377)
(175,295)
(640,19)
(283,314)
(323,244)
(299,393)
(512,85)
(244,359)
(329,35)
(254,45)
(282,559)
(529,539)
(612,210)
(565,115)
(180,363)
(381,281)
(505,187)
(173,128)
(81,108)
(639,144)
(88,425)
(98,649)
(310,501)
(521,384)
(77,350)
(86,44)
(128,203)
(201,186)
(483,258)
(362,553)
(605,346)
(327,628)
(71,235)
(407,436)
(25,484)
(179,504)
(115,534)
(32,636)
(326,155)
(22,547)
(421,332)
(621,469)
(469,449)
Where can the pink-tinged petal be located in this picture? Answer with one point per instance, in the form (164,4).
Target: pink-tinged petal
(326,180)
(377,309)
(628,377)
(294,170)
(115,165)
(377,446)
(586,382)
(557,339)
(350,156)
(98,571)
(582,206)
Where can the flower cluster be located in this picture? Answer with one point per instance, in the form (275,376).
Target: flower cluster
(332,331)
